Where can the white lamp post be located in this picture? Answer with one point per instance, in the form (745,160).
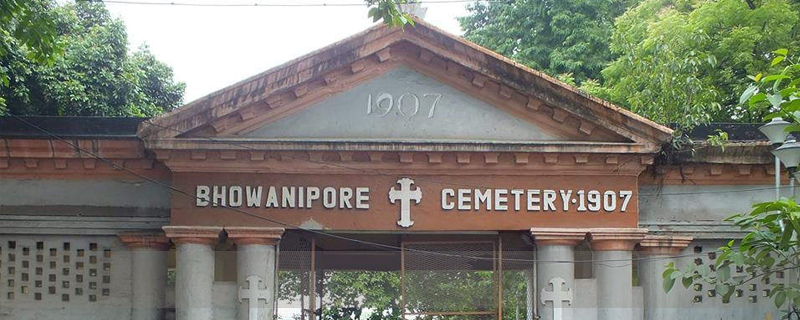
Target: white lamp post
(775,131)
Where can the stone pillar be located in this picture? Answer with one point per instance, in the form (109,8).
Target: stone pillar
(148,273)
(194,281)
(555,254)
(656,251)
(255,266)
(613,269)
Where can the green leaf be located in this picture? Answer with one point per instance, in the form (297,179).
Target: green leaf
(774,77)
(777,60)
(782,52)
(724,273)
(687,282)
(775,99)
(780,298)
(749,92)
(668,283)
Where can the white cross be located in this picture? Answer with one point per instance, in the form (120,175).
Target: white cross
(254,293)
(557,296)
(405,195)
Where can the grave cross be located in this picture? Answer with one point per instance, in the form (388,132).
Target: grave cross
(405,195)
(557,296)
(254,294)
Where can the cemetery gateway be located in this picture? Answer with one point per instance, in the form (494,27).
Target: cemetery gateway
(475,187)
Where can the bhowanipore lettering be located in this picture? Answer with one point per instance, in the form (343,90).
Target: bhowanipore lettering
(283,197)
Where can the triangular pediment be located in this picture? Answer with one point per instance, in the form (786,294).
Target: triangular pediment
(401,105)
(343,92)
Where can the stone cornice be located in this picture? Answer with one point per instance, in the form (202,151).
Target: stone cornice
(254,235)
(193,234)
(429,162)
(711,174)
(558,236)
(78,158)
(615,239)
(663,245)
(144,240)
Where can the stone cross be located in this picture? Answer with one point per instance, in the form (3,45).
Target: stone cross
(557,296)
(405,195)
(254,293)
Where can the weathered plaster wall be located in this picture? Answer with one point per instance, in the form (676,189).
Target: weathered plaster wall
(697,210)
(64,278)
(92,206)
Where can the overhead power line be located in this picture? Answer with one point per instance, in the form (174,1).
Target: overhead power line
(282,4)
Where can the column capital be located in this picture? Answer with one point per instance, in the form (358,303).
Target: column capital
(144,239)
(664,245)
(615,239)
(558,236)
(254,235)
(193,234)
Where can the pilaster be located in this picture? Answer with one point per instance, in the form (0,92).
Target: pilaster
(555,268)
(656,251)
(195,270)
(255,263)
(613,269)
(148,273)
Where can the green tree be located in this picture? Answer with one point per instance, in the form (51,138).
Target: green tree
(95,74)
(564,37)
(685,61)
(771,242)
(27,31)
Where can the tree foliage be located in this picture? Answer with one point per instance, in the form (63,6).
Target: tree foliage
(94,75)
(685,62)
(564,37)
(771,242)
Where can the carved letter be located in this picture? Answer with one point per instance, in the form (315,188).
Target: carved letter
(203,193)
(447,202)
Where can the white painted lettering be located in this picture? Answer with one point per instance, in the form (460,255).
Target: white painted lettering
(500,199)
(253,196)
(235,196)
(362,198)
(301,196)
(203,196)
(287,194)
(517,195)
(533,200)
(312,193)
(447,199)
(485,197)
(345,195)
(464,199)
(272,198)
(329,197)
(549,200)
(566,195)
(218,196)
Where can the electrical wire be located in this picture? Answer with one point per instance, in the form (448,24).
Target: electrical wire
(279,5)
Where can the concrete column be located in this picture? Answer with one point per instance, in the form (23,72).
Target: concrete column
(148,273)
(194,281)
(613,269)
(256,257)
(656,252)
(555,254)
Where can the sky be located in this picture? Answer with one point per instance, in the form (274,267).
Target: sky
(210,48)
